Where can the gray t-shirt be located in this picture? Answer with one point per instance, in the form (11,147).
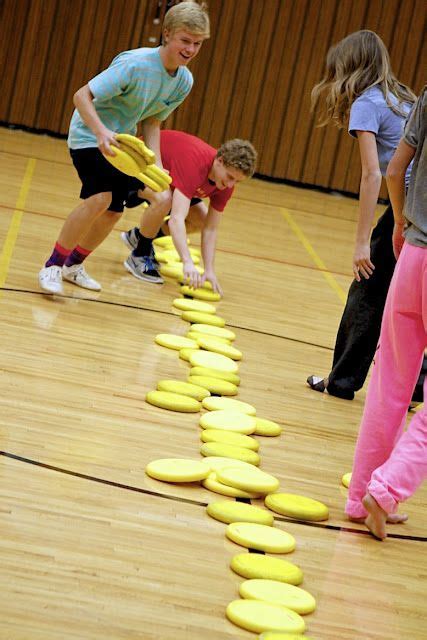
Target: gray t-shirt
(416,199)
(370,112)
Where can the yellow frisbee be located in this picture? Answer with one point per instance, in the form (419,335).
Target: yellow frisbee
(258,616)
(183,388)
(229,437)
(214,385)
(195,335)
(171,270)
(215,373)
(172,341)
(287,595)
(198,317)
(200,294)
(228,511)
(229,451)
(248,479)
(230,404)
(260,537)
(185,304)
(185,354)
(211,483)
(219,462)
(213,361)
(254,565)
(267,427)
(214,332)
(294,506)
(218,346)
(346,479)
(177,470)
(173,401)
(229,421)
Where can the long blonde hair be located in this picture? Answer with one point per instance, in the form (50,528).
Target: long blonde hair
(354,64)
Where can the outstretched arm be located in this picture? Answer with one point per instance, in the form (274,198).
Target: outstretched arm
(395,177)
(179,212)
(83,101)
(209,233)
(370,184)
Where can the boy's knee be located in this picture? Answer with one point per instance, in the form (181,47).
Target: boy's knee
(163,199)
(99,201)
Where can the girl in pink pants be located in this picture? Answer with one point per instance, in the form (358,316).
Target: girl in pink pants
(390,464)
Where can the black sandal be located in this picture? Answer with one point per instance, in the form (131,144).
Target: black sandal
(316,386)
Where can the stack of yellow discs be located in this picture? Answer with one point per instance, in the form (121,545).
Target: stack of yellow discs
(185,354)
(229,437)
(218,346)
(228,511)
(211,483)
(229,421)
(213,361)
(214,385)
(215,373)
(215,332)
(260,537)
(294,506)
(200,294)
(204,318)
(195,335)
(172,341)
(185,304)
(183,388)
(229,451)
(248,479)
(229,404)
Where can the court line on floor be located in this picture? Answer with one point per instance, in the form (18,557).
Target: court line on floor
(167,313)
(313,254)
(15,223)
(199,503)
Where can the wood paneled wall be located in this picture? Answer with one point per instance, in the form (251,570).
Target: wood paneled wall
(252,78)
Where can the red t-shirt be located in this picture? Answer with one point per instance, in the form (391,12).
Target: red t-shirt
(189,160)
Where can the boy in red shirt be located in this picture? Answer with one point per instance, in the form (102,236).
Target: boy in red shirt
(197,171)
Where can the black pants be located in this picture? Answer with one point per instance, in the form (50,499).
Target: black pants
(360,324)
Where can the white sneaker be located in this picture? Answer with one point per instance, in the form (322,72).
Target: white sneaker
(77,275)
(50,279)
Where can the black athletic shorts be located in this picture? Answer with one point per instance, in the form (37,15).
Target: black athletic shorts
(99,176)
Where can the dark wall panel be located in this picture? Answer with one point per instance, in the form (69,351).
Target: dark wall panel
(253,78)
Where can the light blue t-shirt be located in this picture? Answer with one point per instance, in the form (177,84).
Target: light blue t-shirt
(370,112)
(135,86)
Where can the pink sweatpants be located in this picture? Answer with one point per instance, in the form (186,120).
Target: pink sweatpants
(389,463)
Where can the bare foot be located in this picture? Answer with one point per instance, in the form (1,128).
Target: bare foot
(376,519)
(392,518)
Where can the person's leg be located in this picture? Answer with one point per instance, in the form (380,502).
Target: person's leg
(360,324)
(196,217)
(396,367)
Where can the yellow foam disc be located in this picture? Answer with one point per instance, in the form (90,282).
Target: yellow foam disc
(213,361)
(206,285)
(195,335)
(248,479)
(294,506)
(172,341)
(171,270)
(212,484)
(185,354)
(229,437)
(228,511)
(230,404)
(346,479)
(215,385)
(215,332)
(200,294)
(254,565)
(184,388)
(229,451)
(267,427)
(218,346)
(215,373)
(261,537)
(177,470)
(282,635)
(172,255)
(287,595)
(218,462)
(229,421)
(258,616)
(198,317)
(185,304)
(165,242)
(173,401)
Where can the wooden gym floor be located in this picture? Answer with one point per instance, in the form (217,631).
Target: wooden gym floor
(91,548)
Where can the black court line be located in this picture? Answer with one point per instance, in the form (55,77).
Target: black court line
(199,503)
(167,313)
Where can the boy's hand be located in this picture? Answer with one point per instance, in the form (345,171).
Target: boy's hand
(398,239)
(362,264)
(107,139)
(191,276)
(209,275)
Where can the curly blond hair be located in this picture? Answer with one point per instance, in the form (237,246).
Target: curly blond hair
(239,154)
(190,16)
(354,64)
